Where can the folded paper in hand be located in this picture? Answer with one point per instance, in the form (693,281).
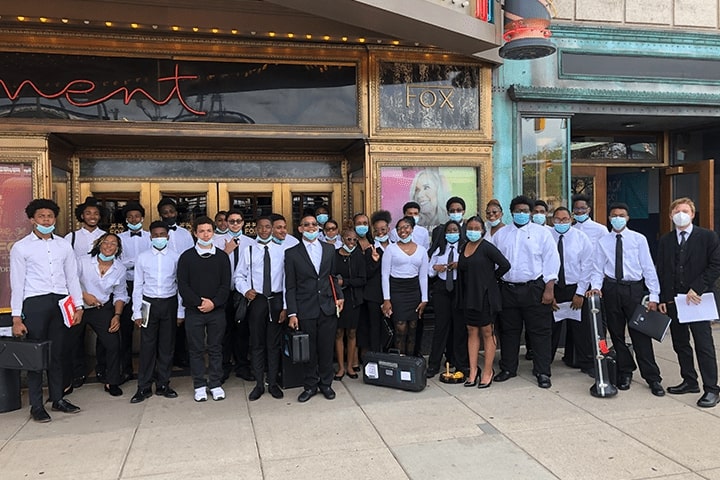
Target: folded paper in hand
(145,313)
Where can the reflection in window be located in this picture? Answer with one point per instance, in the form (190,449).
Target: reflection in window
(615,149)
(252,207)
(189,207)
(306,204)
(544,159)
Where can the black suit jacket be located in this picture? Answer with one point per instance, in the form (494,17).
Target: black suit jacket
(702,262)
(307,293)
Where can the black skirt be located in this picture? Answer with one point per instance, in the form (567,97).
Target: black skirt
(405,298)
(476,318)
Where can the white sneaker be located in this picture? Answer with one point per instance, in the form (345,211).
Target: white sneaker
(217,393)
(201,394)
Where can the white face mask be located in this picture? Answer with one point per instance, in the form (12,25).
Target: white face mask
(681,219)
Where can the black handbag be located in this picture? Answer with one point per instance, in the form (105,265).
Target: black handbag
(240,302)
(19,354)
(299,345)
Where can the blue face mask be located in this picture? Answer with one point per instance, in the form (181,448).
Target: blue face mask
(361,230)
(561,228)
(322,218)
(452,237)
(311,235)
(494,223)
(473,235)
(381,239)
(408,239)
(204,243)
(45,230)
(331,239)
(106,258)
(457,217)
(277,240)
(264,241)
(134,226)
(220,232)
(582,218)
(159,242)
(417,219)
(618,223)
(348,249)
(539,218)
(521,218)
(235,234)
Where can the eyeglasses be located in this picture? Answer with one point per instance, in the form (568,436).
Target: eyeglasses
(328,228)
(309,224)
(350,239)
(456,210)
(235,222)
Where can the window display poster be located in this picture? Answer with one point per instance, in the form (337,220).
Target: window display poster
(15,194)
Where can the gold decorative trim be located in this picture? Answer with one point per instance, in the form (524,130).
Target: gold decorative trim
(210,180)
(32,150)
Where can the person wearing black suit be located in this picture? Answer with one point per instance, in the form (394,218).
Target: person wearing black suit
(314,299)
(689,263)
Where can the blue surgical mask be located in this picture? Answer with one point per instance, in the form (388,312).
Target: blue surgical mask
(235,234)
(452,237)
(134,226)
(331,239)
(45,230)
(348,249)
(159,242)
(322,218)
(221,232)
(311,235)
(494,223)
(539,218)
(277,240)
(561,228)
(361,230)
(582,218)
(204,243)
(264,241)
(618,223)
(408,239)
(457,217)
(521,218)
(106,258)
(417,219)
(381,239)
(473,235)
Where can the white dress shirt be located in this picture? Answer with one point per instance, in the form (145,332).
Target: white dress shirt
(577,258)
(243,242)
(132,245)
(180,239)
(156,277)
(531,251)
(689,230)
(246,279)
(102,286)
(398,264)
(39,267)
(637,262)
(420,236)
(592,229)
(314,250)
(84,240)
(442,259)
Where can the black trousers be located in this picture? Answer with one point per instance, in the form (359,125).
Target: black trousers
(157,341)
(319,371)
(99,320)
(236,342)
(449,329)
(522,305)
(265,333)
(44,321)
(377,331)
(578,337)
(199,327)
(73,355)
(620,301)
(704,349)
(127,328)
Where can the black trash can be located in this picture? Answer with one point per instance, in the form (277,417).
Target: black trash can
(10,397)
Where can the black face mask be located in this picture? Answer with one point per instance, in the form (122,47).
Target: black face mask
(170,220)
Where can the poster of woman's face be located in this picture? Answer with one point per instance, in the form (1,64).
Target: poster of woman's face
(430,187)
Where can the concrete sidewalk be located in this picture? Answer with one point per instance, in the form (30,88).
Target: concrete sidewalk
(513,430)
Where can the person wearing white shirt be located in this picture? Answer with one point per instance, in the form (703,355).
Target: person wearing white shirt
(404,275)
(527,291)
(43,270)
(102,278)
(576,265)
(622,264)
(421,236)
(583,222)
(279,235)
(88,213)
(260,277)
(156,283)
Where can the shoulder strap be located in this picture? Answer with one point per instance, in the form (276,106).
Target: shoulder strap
(72,239)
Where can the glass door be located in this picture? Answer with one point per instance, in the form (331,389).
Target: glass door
(694,180)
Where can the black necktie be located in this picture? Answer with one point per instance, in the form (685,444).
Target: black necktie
(236,253)
(266,273)
(561,251)
(173,228)
(135,234)
(683,238)
(449,273)
(619,258)
(682,252)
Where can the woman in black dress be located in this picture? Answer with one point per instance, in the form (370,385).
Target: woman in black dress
(479,267)
(350,272)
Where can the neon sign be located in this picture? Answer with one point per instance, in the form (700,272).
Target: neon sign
(78,87)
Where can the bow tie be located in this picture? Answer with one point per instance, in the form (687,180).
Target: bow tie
(135,234)
(173,228)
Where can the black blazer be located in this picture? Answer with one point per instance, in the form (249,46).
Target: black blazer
(702,263)
(308,293)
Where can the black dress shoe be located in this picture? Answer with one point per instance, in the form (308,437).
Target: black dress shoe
(100,377)
(624,382)
(113,390)
(40,415)
(307,395)
(504,375)
(275,391)
(708,400)
(657,389)
(126,377)
(352,375)
(78,381)
(141,395)
(544,381)
(487,385)
(256,393)
(684,387)
(64,406)
(166,391)
(529,355)
(328,392)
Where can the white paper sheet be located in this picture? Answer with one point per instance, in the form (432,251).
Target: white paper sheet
(707,310)
(565,311)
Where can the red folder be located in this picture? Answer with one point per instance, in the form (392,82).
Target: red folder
(68,309)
